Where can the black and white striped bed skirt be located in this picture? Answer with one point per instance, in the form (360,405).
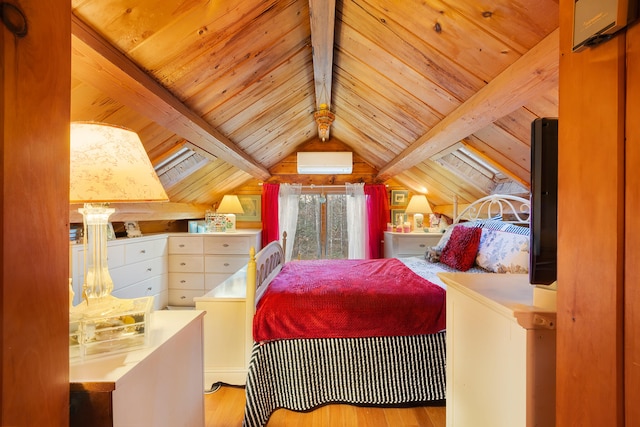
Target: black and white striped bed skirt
(303,374)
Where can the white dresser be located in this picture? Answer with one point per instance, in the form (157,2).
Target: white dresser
(200,262)
(500,352)
(159,385)
(398,245)
(138,267)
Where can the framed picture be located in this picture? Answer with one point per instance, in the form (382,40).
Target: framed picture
(399,197)
(132,228)
(252,206)
(398,216)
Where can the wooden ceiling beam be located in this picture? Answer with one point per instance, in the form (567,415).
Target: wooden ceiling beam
(322,14)
(531,75)
(103,66)
(146,211)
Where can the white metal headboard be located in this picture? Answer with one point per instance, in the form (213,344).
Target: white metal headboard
(502,205)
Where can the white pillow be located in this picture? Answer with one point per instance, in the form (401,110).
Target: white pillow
(503,252)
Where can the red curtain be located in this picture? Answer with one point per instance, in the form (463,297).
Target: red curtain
(270,228)
(377,216)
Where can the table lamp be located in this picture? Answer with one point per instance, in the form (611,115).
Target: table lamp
(418,206)
(229,206)
(107,164)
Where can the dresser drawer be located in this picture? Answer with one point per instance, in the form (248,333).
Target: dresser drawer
(185,244)
(115,256)
(149,287)
(186,264)
(224,263)
(412,246)
(186,281)
(211,280)
(131,273)
(227,244)
(144,250)
(183,297)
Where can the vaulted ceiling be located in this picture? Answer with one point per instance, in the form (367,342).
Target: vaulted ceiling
(437,95)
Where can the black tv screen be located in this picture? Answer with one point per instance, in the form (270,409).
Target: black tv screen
(544,202)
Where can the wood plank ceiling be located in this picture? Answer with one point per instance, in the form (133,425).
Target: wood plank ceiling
(431,93)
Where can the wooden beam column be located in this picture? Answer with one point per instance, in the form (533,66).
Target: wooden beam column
(590,230)
(35,88)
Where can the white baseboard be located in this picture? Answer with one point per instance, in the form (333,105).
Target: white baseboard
(227,376)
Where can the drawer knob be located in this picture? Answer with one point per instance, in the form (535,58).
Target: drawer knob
(422,245)
(183,281)
(149,269)
(143,251)
(183,297)
(225,245)
(183,263)
(149,288)
(181,245)
(226,264)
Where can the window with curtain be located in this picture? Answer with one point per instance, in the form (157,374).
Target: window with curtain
(321,231)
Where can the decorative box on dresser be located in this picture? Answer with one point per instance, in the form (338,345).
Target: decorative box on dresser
(157,385)
(199,262)
(398,245)
(138,267)
(501,348)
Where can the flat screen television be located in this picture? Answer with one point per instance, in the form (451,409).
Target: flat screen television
(544,202)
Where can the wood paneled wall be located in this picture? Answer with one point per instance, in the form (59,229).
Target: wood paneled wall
(592,290)
(632,231)
(286,170)
(34,292)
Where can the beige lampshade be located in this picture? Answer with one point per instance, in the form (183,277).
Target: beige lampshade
(230,205)
(418,204)
(109,164)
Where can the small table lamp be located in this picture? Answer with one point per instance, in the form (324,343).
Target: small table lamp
(230,205)
(108,164)
(418,206)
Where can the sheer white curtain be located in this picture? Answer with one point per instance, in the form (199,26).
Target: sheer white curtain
(356,220)
(288,199)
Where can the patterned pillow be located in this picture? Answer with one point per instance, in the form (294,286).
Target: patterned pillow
(432,254)
(503,252)
(512,228)
(461,249)
(492,223)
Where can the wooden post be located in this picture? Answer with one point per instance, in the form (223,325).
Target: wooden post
(35,92)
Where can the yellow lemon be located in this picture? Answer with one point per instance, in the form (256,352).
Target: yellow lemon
(128,320)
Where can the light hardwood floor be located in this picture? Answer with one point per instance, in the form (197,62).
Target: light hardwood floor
(225,408)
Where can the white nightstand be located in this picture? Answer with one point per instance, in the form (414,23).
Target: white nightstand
(397,245)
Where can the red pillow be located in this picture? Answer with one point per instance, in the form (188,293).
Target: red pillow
(461,249)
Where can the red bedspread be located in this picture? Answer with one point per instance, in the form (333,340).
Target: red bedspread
(348,299)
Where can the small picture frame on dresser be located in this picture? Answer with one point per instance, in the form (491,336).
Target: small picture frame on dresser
(132,228)
(398,216)
(111,234)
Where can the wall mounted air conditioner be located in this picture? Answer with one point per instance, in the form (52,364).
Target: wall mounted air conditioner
(325,162)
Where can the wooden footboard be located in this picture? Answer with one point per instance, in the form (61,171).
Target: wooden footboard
(261,269)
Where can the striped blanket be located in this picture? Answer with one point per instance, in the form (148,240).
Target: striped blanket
(302,374)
